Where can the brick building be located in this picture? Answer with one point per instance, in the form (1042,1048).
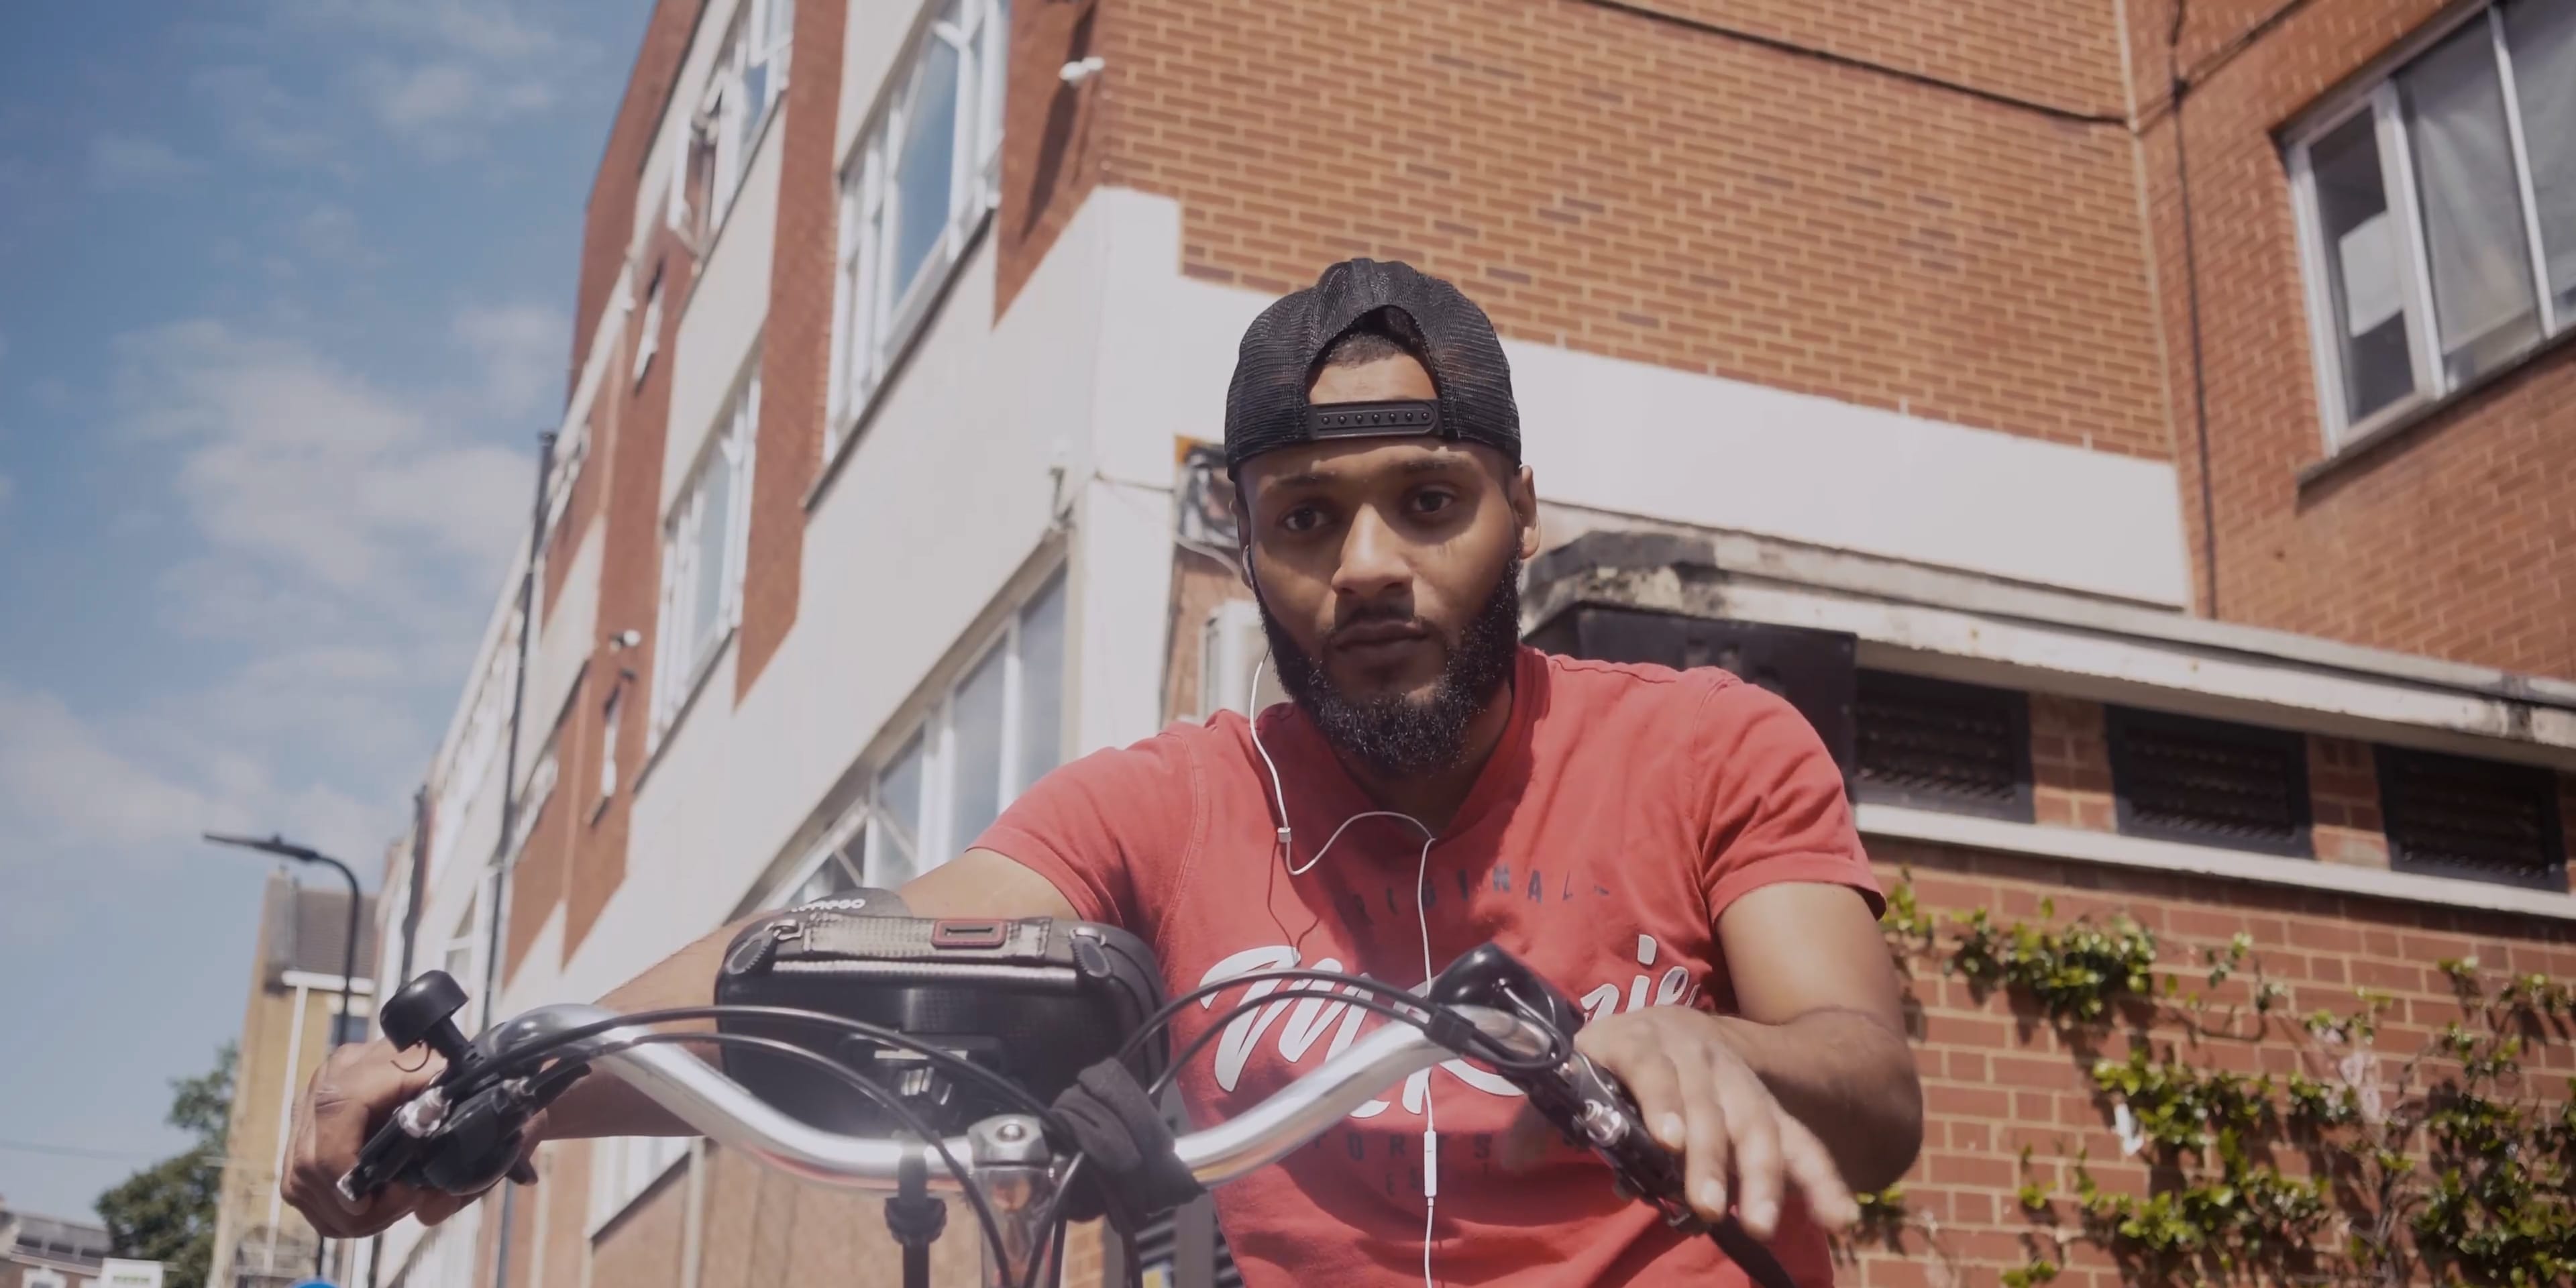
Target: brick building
(290,1021)
(2080,374)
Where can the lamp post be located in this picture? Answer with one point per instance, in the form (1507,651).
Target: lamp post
(283,849)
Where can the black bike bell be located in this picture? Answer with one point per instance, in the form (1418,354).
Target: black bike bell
(421,1012)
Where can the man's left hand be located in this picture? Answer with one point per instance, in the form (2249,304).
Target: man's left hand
(1700,1098)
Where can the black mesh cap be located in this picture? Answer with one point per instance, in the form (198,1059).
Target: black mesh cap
(1265,406)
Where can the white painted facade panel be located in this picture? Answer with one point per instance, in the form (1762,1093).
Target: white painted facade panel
(723,315)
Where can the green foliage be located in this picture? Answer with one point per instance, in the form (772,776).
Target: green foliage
(2076,973)
(2443,1164)
(2181,1108)
(166,1212)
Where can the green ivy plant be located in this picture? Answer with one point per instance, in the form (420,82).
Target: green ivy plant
(2448,1165)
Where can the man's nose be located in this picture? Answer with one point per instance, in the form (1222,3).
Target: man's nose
(1373,564)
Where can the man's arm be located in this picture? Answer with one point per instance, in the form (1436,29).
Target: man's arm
(361,1084)
(1820,1019)
(1809,1089)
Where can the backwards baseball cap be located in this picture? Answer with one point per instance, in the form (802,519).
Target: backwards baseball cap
(1266,408)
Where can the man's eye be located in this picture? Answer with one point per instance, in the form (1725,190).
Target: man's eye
(1433,500)
(1304,518)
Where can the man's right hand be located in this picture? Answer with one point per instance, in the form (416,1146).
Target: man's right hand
(351,1095)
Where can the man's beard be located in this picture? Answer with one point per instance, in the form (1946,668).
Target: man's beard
(1392,733)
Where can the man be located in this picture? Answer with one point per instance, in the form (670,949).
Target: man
(1673,849)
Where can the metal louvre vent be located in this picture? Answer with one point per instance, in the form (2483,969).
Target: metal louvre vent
(1226,1275)
(1942,745)
(2210,782)
(2455,817)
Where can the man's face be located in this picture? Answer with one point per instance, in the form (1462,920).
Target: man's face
(1387,571)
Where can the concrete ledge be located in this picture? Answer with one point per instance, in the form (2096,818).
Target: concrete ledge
(2112,849)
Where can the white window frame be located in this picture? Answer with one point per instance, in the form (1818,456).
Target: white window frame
(649,340)
(623,1168)
(865,825)
(532,802)
(681,665)
(608,743)
(2381,100)
(871,322)
(760,38)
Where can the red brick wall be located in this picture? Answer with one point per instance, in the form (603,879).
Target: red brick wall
(1633,187)
(609,219)
(796,352)
(1051,155)
(1981,43)
(2070,764)
(2451,542)
(629,599)
(1996,1080)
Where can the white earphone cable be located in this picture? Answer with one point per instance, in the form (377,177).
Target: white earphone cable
(1421,921)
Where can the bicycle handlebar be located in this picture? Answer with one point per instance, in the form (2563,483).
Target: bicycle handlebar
(698,1094)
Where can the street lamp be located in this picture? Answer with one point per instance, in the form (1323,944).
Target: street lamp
(280,847)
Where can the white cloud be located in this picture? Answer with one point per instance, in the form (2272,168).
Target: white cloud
(131,161)
(521,347)
(259,117)
(447,108)
(59,776)
(329,233)
(439,76)
(310,471)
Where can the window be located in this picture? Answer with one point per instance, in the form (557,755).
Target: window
(532,802)
(997,730)
(622,1168)
(346,1029)
(702,545)
(2209,782)
(608,747)
(919,183)
(1937,744)
(2456,817)
(749,78)
(2438,215)
(463,948)
(649,341)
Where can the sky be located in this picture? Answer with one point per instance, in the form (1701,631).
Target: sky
(285,296)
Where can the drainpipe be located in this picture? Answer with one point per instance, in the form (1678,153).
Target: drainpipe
(419,882)
(500,875)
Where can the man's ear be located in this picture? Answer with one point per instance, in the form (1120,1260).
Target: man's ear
(1524,498)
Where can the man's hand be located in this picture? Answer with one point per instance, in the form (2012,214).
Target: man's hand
(351,1095)
(1706,1104)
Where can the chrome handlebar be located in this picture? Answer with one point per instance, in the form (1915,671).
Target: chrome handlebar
(700,1095)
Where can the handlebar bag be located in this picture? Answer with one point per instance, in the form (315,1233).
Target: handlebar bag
(1036,1000)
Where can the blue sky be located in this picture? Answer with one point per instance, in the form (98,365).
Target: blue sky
(285,290)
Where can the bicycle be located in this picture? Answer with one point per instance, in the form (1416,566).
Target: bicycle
(1013,1168)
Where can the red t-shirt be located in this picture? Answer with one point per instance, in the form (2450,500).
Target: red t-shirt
(1625,807)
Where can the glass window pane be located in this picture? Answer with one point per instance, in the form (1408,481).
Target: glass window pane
(2542,37)
(1041,684)
(975,737)
(894,833)
(715,519)
(924,167)
(2483,308)
(2362,267)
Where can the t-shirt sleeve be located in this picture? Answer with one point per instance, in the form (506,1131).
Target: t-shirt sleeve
(1773,801)
(1110,829)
